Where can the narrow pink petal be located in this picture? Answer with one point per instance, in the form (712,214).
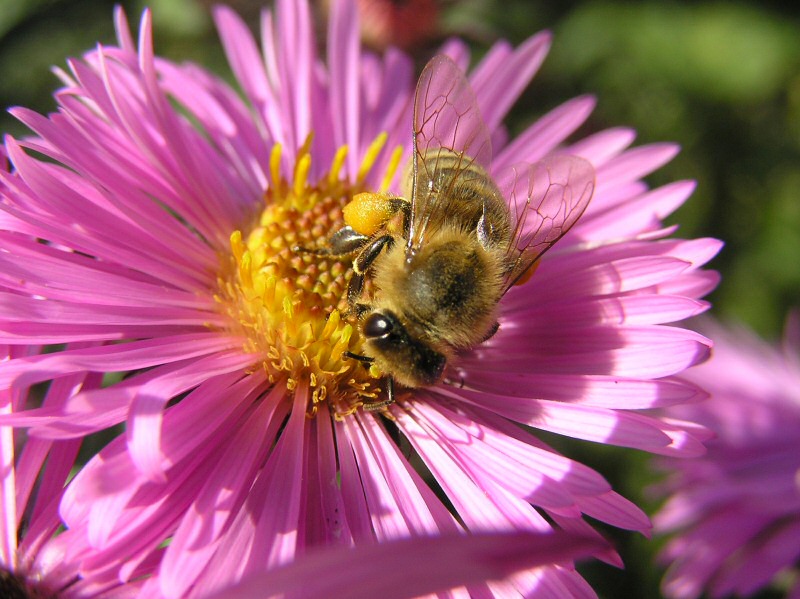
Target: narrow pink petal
(107,173)
(326,511)
(642,213)
(605,278)
(480,503)
(220,499)
(498,54)
(276,539)
(488,461)
(56,274)
(123,30)
(295,56)
(641,309)
(754,566)
(632,165)
(438,563)
(243,55)
(504,82)
(613,427)
(617,511)
(522,446)
(209,201)
(420,508)
(104,232)
(144,425)
(636,352)
(190,425)
(42,517)
(545,134)
(595,390)
(581,527)
(124,357)
(343,57)
(139,526)
(8,518)
(389,481)
(356,509)
(602,146)
(261,536)
(17,308)
(459,51)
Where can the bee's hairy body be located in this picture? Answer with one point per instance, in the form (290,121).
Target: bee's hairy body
(441,296)
(467,198)
(445,298)
(440,259)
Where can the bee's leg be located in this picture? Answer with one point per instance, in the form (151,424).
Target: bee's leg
(376,405)
(342,243)
(379,405)
(367,256)
(362,263)
(404,206)
(490,333)
(360,309)
(359,357)
(354,288)
(346,241)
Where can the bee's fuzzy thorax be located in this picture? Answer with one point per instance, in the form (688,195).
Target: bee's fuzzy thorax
(448,291)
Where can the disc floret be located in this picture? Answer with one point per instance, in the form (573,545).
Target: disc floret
(287,295)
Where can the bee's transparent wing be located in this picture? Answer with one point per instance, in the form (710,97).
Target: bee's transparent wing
(546,199)
(447,124)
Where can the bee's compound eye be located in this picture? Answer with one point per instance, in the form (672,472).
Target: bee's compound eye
(377,325)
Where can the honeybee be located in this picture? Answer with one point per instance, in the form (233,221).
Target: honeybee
(440,262)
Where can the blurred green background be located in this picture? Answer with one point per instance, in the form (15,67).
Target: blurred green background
(720,78)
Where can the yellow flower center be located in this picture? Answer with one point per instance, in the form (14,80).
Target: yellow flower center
(288,297)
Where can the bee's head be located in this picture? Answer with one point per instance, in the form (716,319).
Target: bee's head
(407,359)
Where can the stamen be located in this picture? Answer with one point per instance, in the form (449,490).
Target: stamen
(370,156)
(301,175)
(336,166)
(289,305)
(275,164)
(394,163)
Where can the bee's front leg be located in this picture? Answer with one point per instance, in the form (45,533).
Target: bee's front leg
(362,263)
(344,242)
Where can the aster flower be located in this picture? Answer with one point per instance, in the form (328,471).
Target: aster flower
(32,561)
(735,512)
(437,563)
(32,564)
(157,240)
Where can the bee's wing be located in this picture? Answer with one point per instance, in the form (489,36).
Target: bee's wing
(447,122)
(546,199)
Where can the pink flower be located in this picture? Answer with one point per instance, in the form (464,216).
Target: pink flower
(32,556)
(157,239)
(411,567)
(34,472)
(735,512)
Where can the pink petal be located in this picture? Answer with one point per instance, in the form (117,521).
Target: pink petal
(438,563)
